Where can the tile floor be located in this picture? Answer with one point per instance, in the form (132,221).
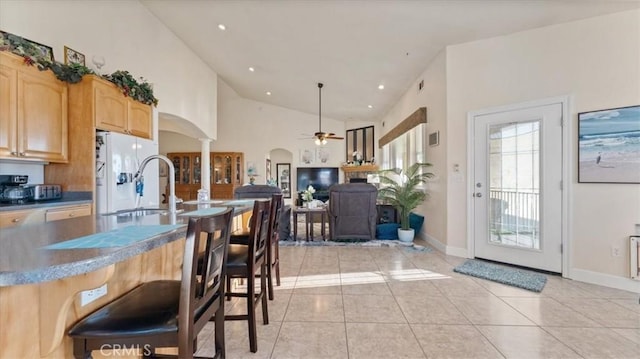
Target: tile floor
(358,302)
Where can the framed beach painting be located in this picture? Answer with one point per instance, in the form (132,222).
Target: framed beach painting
(609,145)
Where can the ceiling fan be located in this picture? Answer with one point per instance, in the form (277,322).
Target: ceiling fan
(322,137)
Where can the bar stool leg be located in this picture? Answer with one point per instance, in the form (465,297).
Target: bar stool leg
(295,225)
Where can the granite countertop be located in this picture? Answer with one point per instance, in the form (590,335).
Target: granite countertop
(28,254)
(68,198)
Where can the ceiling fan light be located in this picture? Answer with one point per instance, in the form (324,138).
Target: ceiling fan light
(318,142)
(324,141)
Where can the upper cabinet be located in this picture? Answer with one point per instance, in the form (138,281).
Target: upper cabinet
(139,116)
(33,112)
(115,112)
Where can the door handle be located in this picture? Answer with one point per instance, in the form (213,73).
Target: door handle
(477,194)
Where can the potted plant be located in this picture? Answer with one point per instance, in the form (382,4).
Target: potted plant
(307,196)
(399,188)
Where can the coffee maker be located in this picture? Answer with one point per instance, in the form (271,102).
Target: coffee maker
(14,189)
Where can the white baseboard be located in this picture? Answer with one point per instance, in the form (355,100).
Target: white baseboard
(457,252)
(448,250)
(605,280)
(434,242)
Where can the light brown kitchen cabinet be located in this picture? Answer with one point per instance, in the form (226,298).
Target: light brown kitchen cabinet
(110,107)
(10,219)
(33,112)
(57,214)
(139,116)
(17,218)
(116,112)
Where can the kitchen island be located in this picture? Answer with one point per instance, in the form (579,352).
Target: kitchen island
(44,267)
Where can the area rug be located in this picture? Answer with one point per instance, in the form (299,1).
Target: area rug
(407,247)
(502,274)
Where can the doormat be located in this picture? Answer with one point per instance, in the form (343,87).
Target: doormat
(407,247)
(501,274)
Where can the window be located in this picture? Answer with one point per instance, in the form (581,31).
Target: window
(406,149)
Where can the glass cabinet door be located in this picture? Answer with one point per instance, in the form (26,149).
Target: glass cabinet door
(217,170)
(227,169)
(238,174)
(196,169)
(177,165)
(186,170)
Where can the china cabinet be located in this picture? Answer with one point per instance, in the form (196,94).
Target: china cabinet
(226,172)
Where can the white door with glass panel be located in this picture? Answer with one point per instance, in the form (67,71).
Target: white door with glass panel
(517,187)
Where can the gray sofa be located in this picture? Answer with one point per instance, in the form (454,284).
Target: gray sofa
(265,191)
(352,211)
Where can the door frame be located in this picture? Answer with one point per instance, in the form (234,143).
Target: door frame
(567,171)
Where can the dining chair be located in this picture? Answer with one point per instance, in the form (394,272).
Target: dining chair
(273,249)
(167,313)
(244,261)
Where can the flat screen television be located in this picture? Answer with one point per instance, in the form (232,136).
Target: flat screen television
(321,178)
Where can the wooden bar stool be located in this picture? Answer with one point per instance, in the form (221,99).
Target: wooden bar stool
(273,249)
(167,313)
(244,261)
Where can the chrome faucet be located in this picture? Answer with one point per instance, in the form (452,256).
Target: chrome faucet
(172,178)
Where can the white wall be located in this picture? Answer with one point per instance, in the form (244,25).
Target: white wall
(256,128)
(597,62)
(176,142)
(130,38)
(34,171)
(433,96)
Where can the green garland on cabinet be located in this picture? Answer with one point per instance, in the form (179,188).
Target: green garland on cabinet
(72,73)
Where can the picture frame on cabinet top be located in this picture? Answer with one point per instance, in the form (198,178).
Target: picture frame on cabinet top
(44,51)
(72,56)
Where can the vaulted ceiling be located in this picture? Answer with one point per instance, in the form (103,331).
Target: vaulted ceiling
(351,46)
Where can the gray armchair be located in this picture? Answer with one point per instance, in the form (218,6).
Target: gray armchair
(352,211)
(265,191)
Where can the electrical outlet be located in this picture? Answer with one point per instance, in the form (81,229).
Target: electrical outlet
(615,251)
(91,295)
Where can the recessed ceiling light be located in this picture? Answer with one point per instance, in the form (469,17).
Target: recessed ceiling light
(370,106)
(268,93)
(381,87)
(222,27)
(251,69)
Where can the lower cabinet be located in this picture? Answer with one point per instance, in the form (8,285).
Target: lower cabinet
(40,215)
(57,214)
(186,192)
(18,218)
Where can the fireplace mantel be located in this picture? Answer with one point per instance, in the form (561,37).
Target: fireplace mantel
(358,171)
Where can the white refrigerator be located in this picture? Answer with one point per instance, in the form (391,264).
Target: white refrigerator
(118,157)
